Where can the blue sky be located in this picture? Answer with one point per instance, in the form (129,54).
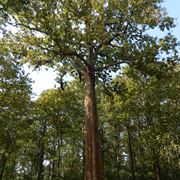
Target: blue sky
(173,10)
(46,79)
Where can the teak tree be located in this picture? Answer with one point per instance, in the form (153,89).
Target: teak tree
(92,37)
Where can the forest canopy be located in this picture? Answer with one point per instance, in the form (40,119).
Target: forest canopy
(120,116)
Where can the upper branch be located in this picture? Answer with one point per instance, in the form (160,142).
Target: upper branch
(108,41)
(109,65)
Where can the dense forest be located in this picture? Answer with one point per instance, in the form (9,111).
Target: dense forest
(119,118)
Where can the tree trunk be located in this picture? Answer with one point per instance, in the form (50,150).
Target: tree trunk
(2,165)
(59,157)
(93,164)
(156,164)
(40,175)
(53,175)
(131,154)
(102,150)
(84,158)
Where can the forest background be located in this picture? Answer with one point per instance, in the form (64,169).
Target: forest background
(135,132)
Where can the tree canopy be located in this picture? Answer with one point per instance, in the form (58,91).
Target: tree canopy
(92,39)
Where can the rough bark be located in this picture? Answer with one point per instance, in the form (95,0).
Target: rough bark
(84,158)
(93,170)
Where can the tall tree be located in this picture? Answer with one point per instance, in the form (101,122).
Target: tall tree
(52,142)
(14,101)
(92,38)
(141,103)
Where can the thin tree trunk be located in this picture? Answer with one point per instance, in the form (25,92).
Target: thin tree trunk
(131,153)
(41,160)
(156,164)
(93,169)
(83,158)
(53,175)
(60,143)
(49,170)
(40,175)
(2,165)
(102,151)
(141,153)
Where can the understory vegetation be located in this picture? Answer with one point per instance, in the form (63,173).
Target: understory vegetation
(119,118)
(138,124)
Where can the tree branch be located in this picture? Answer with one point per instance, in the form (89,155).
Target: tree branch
(28,27)
(63,52)
(109,65)
(108,41)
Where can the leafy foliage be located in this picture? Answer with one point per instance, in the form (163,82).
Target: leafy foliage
(138,110)
(14,101)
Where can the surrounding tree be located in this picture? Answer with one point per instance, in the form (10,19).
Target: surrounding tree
(14,101)
(53,142)
(141,125)
(91,39)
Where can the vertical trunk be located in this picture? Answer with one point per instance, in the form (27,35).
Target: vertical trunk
(40,175)
(155,157)
(41,160)
(131,153)
(53,175)
(2,165)
(83,158)
(93,170)
(59,157)
(156,164)
(141,152)
(118,158)
(102,151)
(49,171)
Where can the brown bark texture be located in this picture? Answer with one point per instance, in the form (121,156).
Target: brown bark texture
(93,163)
